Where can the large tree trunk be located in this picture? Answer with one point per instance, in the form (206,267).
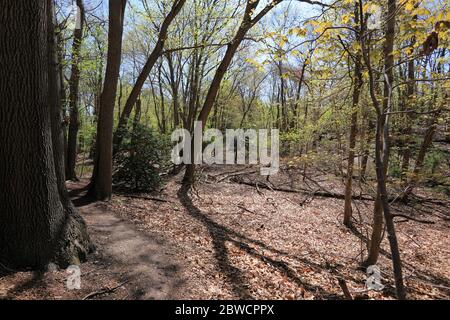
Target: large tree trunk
(74,83)
(101,184)
(156,53)
(38,224)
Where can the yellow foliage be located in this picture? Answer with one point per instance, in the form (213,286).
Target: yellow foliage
(346,18)
(298,32)
(322,26)
(409,6)
(421,12)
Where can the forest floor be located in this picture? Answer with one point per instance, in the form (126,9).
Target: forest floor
(237,235)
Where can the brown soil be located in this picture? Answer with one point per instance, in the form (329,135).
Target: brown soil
(237,238)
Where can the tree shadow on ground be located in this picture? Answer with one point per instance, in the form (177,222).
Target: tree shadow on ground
(81,198)
(37,280)
(221,234)
(437,281)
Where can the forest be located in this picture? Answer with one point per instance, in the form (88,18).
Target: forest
(332,183)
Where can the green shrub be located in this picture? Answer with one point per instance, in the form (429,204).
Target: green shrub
(141,159)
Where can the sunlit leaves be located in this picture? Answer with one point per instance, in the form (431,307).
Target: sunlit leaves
(299,32)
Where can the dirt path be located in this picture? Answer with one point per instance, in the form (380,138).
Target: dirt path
(143,260)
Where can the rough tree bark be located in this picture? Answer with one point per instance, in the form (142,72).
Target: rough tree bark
(101,183)
(38,224)
(74,82)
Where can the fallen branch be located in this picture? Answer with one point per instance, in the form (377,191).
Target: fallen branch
(319,193)
(411,218)
(104,291)
(234,174)
(143,197)
(245,209)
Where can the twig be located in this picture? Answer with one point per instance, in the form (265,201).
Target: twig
(234,174)
(143,197)
(104,291)
(344,288)
(411,218)
(245,209)
(302,191)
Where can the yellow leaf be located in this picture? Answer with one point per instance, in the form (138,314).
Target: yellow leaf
(283,41)
(322,26)
(345,18)
(421,12)
(298,32)
(409,6)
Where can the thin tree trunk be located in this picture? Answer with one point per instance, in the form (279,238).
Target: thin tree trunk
(174,87)
(426,143)
(424,147)
(298,93)
(246,24)
(161,93)
(381,140)
(156,53)
(211,96)
(284,115)
(365,148)
(74,83)
(63,102)
(353,130)
(410,90)
(119,99)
